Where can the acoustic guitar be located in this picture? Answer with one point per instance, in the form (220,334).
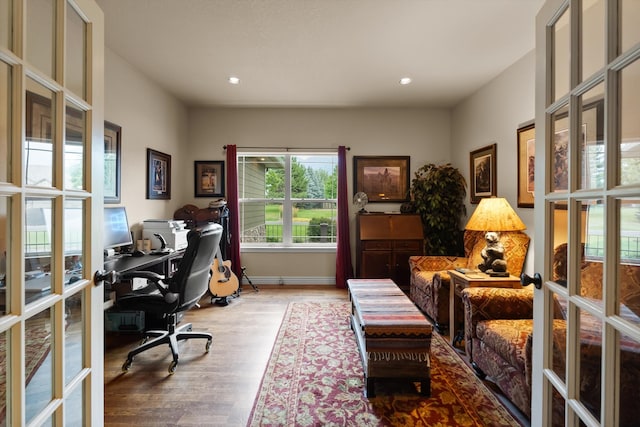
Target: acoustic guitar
(224,282)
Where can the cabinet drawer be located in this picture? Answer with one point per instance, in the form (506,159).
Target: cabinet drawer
(376,245)
(408,245)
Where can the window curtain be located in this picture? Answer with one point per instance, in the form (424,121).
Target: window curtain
(234,211)
(344,267)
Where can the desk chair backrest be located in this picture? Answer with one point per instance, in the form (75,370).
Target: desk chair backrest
(191,280)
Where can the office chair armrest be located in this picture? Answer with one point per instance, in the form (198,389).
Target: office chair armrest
(155,278)
(149,275)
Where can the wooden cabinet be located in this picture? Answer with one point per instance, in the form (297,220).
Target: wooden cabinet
(384,243)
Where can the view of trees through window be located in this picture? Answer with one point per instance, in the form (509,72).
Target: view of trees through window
(288,199)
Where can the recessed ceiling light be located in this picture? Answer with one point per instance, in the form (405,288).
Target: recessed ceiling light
(234,80)
(405,80)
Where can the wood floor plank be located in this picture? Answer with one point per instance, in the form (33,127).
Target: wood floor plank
(211,389)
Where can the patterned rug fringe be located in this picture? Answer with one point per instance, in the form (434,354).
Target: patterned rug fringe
(389,356)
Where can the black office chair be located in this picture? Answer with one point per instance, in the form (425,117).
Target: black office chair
(176,294)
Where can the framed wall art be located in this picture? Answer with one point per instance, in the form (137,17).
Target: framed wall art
(158,175)
(209,178)
(382,178)
(482,164)
(526,136)
(112,162)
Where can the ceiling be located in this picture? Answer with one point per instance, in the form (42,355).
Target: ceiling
(320,53)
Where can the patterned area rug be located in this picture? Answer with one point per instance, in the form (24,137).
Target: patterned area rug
(314,377)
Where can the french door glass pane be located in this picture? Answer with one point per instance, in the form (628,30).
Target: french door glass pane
(559,341)
(592,257)
(591,139)
(629,381)
(6,27)
(560,237)
(629,263)
(75,52)
(5,120)
(629,154)
(3,377)
(560,151)
(41,35)
(38,362)
(561,55)
(38,156)
(593,20)
(73,238)
(38,244)
(74,326)
(630,16)
(74,408)
(74,148)
(5,235)
(590,350)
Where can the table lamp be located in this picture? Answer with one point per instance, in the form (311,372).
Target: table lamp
(494,215)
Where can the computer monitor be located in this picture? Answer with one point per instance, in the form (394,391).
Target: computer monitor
(116,227)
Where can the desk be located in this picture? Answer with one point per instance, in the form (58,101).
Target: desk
(459,281)
(165,264)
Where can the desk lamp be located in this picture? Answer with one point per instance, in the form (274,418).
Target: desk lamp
(494,215)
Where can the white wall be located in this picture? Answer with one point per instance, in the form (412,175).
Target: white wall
(150,118)
(493,115)
(422,134)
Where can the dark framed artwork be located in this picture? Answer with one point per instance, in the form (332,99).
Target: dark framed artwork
(482,165)
(112,162)
(209,178)
(158,175)
(382,178)
(591,142)
(526,136)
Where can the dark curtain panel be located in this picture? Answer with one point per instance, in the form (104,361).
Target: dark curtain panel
(234,207)
(344,267)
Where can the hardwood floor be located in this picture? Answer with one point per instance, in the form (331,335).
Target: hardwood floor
(215,389)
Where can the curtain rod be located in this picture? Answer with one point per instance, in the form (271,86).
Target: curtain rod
(289,148)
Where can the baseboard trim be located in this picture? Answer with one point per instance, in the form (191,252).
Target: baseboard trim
(290,280)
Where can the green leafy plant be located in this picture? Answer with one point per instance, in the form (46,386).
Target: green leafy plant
(438,193)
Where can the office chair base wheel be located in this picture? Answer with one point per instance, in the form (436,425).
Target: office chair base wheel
(127,365)
(173,366)
(207,346)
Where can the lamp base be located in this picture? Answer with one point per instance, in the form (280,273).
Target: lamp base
(497,273)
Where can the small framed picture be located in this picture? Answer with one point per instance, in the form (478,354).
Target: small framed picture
(483,173)
(158,175)
(526,165)
(209,178)
(112,162)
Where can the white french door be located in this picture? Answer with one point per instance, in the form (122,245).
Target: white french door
(51,190)
(586,366)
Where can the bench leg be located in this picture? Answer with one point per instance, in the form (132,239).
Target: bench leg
(370,390)
(425,387)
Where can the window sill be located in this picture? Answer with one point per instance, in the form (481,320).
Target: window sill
(288,249)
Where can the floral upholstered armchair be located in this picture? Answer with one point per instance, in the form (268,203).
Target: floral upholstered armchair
(429,284)
(499,344)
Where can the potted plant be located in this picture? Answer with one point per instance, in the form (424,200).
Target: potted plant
(438,193)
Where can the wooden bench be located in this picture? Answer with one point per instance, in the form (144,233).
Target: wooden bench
(394,337)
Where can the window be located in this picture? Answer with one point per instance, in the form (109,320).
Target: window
(288,200)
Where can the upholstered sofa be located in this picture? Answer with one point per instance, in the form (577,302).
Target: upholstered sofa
(498,338)
(429,283)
